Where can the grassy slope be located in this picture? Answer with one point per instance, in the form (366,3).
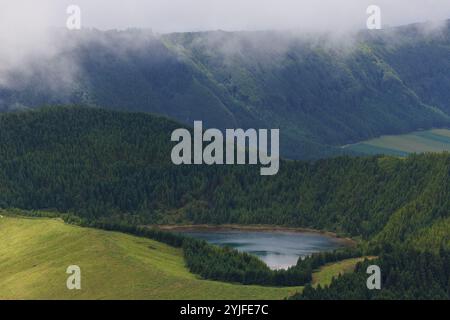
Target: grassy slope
(325,274)
(34,254)
(435,140)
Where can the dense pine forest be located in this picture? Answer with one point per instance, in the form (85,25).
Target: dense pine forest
(109,164)
(113,167)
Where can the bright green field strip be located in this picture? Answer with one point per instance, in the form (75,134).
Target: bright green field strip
(410,143)
(436,140)
(325,275)
(366,148)
(34,255)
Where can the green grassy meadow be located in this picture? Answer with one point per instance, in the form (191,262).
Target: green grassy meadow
(325,274)
(435,140)
(34,255)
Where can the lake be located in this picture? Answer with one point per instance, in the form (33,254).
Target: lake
(279,250)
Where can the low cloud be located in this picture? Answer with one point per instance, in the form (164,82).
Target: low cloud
(195,15)
(27,34)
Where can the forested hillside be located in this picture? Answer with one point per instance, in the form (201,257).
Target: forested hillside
(114,166)
(320,91)
(406,274)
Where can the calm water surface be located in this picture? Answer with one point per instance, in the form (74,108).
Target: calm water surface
(277,249)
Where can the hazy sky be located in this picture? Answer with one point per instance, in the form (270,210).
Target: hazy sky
(193,15)
(26,39)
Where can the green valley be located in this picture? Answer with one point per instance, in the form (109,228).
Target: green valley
(225,152)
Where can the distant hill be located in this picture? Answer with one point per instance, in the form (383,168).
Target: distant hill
(320,91)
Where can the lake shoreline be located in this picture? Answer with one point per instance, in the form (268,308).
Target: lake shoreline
(345,241)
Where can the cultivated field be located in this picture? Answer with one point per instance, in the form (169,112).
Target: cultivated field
(436,140)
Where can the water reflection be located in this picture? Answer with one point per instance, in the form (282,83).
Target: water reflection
(277,249)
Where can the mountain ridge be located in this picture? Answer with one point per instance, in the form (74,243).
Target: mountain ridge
(320,93)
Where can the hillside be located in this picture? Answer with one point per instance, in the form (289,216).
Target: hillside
(34,255)
(321,92)
(112,166)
